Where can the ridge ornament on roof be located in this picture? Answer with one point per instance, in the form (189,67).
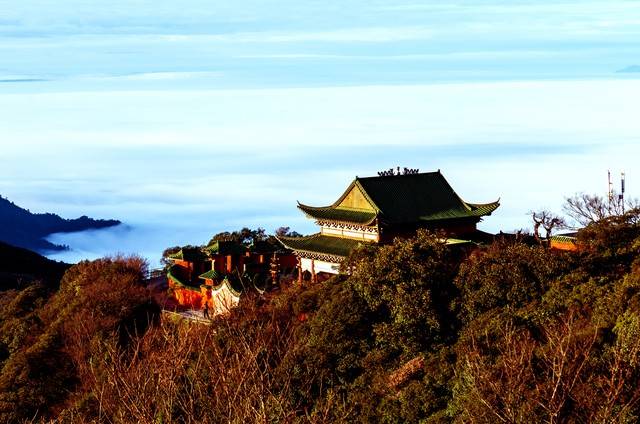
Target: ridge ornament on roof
(407,171)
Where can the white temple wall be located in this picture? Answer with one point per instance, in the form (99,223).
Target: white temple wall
(349,233)
(223,300)
(319,266)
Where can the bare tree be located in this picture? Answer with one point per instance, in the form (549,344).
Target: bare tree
(548,221)
(499,391)
(191,373)
(570,343)
(534,380)
(586,209)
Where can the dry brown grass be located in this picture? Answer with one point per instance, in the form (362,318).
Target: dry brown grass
(184,372)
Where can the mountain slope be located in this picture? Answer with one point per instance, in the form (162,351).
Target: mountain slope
(20,227)
(19,267)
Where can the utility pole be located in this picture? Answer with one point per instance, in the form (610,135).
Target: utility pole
(622,188)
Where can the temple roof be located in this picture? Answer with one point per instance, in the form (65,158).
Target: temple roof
(172,276)
(190,254)
(336,213)
(342,247)
(233,284)
(211,275)
(399,199)
(318,243)
(566,238)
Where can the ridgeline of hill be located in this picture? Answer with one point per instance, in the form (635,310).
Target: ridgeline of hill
(22,228)
(20,267)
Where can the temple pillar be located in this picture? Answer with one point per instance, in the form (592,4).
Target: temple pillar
(299,270)
(314,276)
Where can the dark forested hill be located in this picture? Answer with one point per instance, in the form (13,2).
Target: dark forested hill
(20,227)
(19,267)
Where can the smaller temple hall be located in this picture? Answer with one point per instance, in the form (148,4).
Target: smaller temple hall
(379,209)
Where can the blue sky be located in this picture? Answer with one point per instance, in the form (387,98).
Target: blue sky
(101,44)
(187,118)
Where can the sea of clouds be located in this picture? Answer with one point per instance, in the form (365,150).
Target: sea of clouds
(185,120)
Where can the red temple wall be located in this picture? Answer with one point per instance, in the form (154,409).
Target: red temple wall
(560,245)
(188,298)
(288,261)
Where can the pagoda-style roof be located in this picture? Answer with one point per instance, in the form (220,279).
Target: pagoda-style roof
(399,199)
(190,254)
(176,281)
(340,214)
(211,275)
(337,248)
(566,237)
(321,244)
(233,284)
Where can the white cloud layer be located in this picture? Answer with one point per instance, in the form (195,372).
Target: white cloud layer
(164,155)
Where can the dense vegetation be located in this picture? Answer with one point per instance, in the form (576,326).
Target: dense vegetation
(417,333)
(23,228)
(52,347)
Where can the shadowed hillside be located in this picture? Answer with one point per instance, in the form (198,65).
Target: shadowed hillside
(22,228)
(20,267)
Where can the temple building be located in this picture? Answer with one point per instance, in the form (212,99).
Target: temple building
(379,209)
(567,241)
(217,275)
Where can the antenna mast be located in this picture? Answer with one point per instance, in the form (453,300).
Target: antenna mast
(622,187)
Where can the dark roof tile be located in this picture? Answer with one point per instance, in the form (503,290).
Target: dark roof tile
(403,199)
(318,243)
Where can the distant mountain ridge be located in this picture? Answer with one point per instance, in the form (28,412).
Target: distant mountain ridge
(20,227)
(630,69)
